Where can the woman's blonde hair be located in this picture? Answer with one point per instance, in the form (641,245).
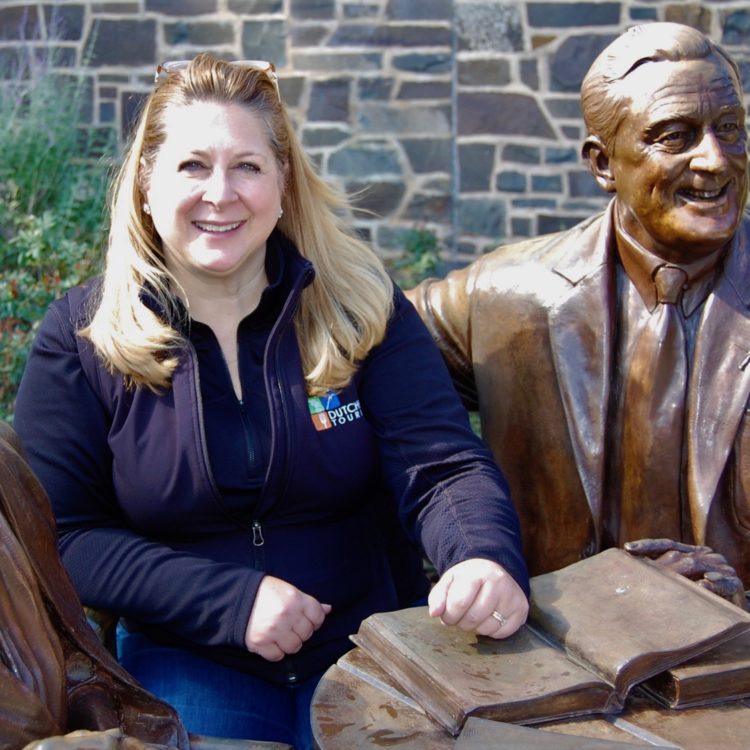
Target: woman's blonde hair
(342,314)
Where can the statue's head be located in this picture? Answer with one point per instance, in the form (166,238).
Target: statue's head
(666,133)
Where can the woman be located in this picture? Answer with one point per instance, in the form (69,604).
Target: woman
(236,424)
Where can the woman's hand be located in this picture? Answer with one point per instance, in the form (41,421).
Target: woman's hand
(479,595)
(282,619)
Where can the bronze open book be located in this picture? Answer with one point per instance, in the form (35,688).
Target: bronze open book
(596,628)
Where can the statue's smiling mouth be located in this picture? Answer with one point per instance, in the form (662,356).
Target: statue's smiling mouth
(703,196)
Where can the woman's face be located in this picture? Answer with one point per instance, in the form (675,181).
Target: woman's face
(214,192)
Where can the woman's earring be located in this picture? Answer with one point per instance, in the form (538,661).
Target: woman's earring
(147,209)
(281,212)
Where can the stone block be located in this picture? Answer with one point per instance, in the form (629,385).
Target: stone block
(182,7)
(548,223)
(360,10)
(425,208)
(557,155)
(484,72)
(313,9)
(329,101)
(105,42)
(20,22)
(644,14)
(573,15)
(510,181)
(254,7)
(379,35)
(482,216)
(533,203)
(264,40)
(424,90)
(306,35)
(569,64)
(291,88)
(382,198)
(423,62)
(326,60)
(421,10)
(501,114)
(568,109)
(106,112)
(476,163)
(428,154)
(744,66)
(202,34)
(365,159)
(377,119)
(64,22)
(736,28)
(489,26)
(581,184)
(521,154)
(546,183)
(690,14)
(520,226)
(116,8)
(324,137)
(530,73)
(374,88)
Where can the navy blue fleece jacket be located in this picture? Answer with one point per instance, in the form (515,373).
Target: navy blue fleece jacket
(144,529)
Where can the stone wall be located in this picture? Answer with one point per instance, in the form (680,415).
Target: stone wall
(459,116)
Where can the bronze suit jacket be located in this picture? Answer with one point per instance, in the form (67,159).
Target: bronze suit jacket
(528,333)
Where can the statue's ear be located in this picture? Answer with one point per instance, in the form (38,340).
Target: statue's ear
(595,152)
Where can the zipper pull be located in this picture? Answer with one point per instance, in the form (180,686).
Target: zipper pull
(258,540)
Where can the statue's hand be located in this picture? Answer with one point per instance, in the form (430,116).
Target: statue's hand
(699,563)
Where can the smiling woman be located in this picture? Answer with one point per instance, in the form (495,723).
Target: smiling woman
(214,193)
(248,437)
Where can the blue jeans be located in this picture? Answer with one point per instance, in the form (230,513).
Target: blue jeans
(217,701)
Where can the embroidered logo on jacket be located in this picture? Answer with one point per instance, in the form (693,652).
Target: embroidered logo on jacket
(328,411)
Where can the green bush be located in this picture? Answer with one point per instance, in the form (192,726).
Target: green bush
(420,259)
(53,178)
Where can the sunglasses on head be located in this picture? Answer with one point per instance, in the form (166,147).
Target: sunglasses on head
(163,70)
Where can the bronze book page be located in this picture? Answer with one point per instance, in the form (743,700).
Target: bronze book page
(453,674)
(625,618)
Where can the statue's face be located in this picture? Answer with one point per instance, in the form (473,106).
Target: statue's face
(680,162)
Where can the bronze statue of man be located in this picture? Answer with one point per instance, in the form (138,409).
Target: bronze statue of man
(610,363)
(55,676)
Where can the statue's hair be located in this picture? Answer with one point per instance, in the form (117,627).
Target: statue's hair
(342,314)
(604,98)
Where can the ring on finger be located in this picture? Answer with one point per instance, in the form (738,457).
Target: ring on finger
(502,619)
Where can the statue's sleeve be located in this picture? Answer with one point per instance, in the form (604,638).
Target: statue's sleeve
(445,305)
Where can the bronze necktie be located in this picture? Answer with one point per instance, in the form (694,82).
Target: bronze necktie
(653,415)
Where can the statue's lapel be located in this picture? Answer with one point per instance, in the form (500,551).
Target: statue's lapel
(719,382)
(581,339)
